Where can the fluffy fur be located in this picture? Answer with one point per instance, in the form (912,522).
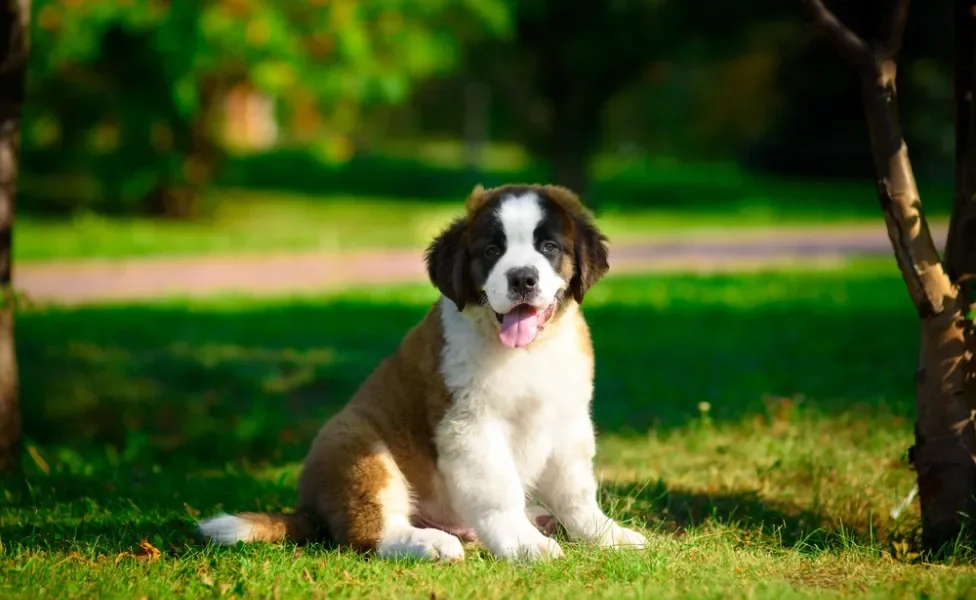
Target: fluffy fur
(482,411)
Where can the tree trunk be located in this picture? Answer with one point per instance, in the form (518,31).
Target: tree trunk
(945,434)
(180,196)
(477,97)
(574,130)
(960,255)
(569,168)
(14,17)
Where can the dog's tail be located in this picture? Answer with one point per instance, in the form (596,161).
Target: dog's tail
(259,527)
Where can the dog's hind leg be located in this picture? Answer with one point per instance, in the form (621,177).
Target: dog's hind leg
(398,537)
(355,485)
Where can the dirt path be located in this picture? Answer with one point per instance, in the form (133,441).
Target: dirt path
(91,281)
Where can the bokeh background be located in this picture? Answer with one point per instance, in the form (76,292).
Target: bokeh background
(220,219)
(150,107)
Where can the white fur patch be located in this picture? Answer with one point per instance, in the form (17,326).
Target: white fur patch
(519,424)
(515,411)
(399,539)
(406,541)
(226,529)
(520,216)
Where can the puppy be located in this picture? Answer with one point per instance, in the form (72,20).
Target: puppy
(483,409)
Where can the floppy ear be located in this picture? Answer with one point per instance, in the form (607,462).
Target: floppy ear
(447,260)
(590,256)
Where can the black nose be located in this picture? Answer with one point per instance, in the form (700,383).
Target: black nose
(523,280)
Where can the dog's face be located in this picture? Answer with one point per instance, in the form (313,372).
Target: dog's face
(520,253)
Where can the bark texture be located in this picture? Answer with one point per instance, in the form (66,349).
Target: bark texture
(14,16)
(944,455)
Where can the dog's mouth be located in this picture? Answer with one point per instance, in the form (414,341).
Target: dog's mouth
(522,324)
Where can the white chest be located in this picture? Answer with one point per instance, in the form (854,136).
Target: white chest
(525,398)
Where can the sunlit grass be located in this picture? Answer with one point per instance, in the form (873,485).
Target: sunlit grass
(755,425)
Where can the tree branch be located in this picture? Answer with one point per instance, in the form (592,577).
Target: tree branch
(847,43)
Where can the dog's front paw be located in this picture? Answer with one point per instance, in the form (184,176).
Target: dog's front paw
(622,538)
(529,545)
(532,551)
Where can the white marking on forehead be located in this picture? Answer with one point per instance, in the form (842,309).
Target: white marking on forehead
(519,216)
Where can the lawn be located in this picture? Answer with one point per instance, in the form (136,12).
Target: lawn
(754,424)
(678,200)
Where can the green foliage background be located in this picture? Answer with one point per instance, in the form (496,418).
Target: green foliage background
(125,98)
(123,95)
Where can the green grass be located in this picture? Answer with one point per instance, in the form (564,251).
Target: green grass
(244,222)
(753,424)
(647,201)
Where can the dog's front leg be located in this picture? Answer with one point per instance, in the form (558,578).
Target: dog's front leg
(486,491)
(568,488)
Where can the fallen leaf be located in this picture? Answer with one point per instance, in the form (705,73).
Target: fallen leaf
(78,557)
(39,460)
(147,550)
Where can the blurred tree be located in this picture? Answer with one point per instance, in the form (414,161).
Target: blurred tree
(944,454)
(125,96)
(563,64)
(834,143)
(566,61)
(14,18)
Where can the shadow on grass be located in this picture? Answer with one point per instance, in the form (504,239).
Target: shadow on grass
(218,383)
(151,414)
(753,518)
(124,504)
(114,512)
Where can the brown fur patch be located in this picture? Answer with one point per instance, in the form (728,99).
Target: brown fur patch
(476,199)
(393,413)
(275,527)
(590,252)
(563,197)
(566,199)
(448,264)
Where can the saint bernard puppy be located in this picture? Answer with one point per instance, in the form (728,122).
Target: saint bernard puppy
(483,410)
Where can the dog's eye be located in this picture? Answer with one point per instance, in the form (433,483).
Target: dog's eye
(550,247)
(492,251)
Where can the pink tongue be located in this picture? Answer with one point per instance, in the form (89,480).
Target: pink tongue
(520,326)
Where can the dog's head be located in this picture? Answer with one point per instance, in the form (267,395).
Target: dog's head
(519,254)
